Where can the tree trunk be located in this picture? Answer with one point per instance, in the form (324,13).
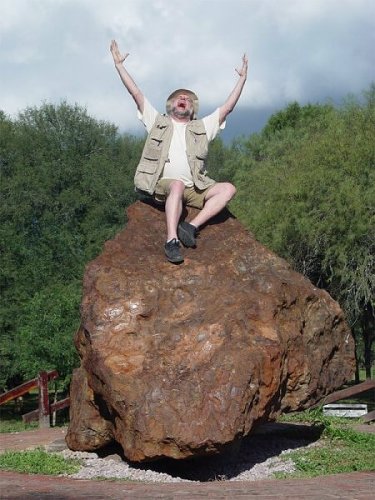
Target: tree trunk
(368,334)
(357,375)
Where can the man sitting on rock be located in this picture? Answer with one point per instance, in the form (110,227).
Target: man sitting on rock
(172,166)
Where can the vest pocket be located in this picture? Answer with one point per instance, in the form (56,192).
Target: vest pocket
(151,153)
(148,167)
(144,178)
(152,150)
(198,144)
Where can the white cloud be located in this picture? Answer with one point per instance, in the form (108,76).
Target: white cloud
(304,50)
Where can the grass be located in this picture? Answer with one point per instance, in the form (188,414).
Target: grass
(37,462)
(334,458)
(16,425)
(13,423)
(340,449)
(362,373)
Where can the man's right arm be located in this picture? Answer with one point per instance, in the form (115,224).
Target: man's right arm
(127,80)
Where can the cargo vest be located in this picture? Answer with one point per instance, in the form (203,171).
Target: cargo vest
(156,150)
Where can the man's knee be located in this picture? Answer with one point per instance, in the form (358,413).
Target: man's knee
(227,190)
(176,187)
(231,190)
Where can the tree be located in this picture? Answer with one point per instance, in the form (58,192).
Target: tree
(66,180)
(44,339)
(307,189)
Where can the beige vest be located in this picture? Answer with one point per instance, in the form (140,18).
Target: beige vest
(156,150)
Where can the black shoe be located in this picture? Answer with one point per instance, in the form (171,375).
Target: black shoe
(187,233)
(172,251)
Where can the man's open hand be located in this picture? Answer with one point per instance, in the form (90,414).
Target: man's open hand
(118,58)
(243,71)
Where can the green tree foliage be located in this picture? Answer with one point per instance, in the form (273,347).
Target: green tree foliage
(294,117)
(307,189)
(44,341)
(221,161)
(65,182)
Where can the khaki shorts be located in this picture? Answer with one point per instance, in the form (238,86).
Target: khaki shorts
(193,197)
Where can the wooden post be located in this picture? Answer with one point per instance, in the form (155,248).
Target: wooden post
(44,418)
(53,404)
(350,391)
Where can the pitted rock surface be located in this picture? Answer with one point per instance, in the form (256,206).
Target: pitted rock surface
(185,360)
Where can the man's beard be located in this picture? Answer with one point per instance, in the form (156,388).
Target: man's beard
(181,113)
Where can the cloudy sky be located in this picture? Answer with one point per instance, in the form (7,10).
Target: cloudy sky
(304,50)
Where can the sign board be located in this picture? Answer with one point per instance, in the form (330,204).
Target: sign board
(345,410)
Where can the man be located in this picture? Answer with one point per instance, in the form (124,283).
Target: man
(172,167)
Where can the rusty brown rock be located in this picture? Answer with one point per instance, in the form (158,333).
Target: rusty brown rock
(190,358)
(88,428)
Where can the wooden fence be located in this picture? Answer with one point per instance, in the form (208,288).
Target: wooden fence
(352,391)
(45,408)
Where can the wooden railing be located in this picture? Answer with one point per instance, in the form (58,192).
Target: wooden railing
(45,409)
(352,391)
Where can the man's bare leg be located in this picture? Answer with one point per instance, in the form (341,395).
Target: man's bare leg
(173,208)
(216,199)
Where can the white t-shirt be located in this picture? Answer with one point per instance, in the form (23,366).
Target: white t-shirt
(178,166)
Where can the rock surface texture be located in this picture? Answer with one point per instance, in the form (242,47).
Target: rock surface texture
(178,361)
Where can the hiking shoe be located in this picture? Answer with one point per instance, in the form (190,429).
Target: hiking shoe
(172,251)
(187,234)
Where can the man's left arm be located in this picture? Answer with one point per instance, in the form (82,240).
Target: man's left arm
(230,103)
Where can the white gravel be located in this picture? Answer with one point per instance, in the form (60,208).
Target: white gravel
(259,457)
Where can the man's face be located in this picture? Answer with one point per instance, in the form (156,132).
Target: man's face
(182,106)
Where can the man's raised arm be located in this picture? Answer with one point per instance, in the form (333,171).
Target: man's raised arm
(127,80)
(230,103)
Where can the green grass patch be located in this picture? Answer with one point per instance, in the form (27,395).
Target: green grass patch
(340,449)
(37,462)
(334,458)
(311,416)
(362,373)
(16,425)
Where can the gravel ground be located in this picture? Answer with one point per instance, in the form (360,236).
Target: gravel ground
(258,457)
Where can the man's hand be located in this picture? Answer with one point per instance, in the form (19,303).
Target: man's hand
(118,58)
(230,103)
(243,70)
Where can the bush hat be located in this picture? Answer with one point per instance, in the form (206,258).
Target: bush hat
(187,92)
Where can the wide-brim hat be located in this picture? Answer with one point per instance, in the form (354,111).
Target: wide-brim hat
(187,92)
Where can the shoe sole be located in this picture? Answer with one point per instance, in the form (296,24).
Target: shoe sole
(185,237)
(175,261)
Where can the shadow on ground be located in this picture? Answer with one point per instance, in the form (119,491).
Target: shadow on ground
(268,442)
